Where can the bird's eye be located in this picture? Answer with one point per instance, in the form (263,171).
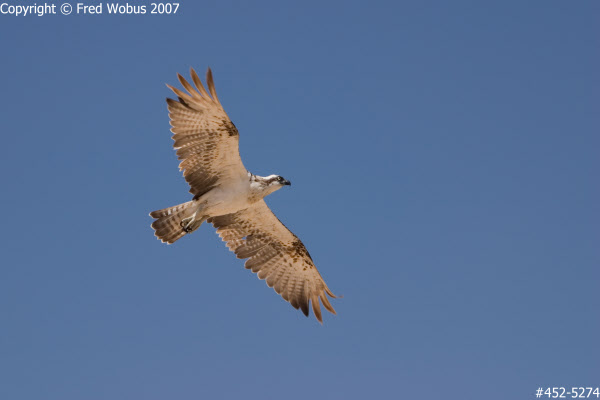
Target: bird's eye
(280,179)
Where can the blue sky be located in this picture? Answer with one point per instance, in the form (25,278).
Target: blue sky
(444,160)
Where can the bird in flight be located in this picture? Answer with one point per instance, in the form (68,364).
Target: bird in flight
(232,199)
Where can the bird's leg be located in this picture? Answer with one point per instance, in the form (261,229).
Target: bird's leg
(190,224)
(186,222)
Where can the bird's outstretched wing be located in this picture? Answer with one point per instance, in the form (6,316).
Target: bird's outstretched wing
(205,138)
(275,254)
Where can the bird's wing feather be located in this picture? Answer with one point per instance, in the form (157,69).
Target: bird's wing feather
(205,138)
(275,254)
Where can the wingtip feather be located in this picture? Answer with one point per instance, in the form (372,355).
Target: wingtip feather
(197,96)
(317,309)
(198,83)
(304,307)
(327,304)
(211,85)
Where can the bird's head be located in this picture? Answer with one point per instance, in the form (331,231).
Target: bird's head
(271,183)
(281,181)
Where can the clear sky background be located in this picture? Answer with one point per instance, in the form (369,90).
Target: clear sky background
(444,161)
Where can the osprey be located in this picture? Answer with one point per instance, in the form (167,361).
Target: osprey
(232,199)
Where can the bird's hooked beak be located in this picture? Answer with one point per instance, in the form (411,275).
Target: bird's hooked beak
(286,183)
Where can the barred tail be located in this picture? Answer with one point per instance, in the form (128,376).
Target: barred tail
(168,221)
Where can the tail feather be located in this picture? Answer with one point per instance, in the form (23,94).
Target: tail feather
(167,226)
